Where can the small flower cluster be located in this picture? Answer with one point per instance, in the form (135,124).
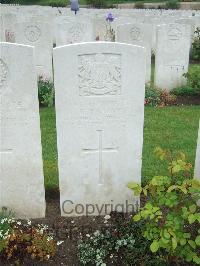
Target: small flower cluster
(20,239)
(103,246)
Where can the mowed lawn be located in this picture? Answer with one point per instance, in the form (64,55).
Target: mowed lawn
(174,128)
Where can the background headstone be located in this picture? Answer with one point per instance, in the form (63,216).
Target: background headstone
(137,34)
(38,34)
(100,110)
(172,55)
(21,171)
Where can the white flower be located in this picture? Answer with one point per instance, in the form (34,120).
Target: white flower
(87,235)
(19,223)
(59,243)
(107,217)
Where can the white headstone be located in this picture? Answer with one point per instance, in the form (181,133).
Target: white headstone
(74,32)
(21,171)
(197,161)
(100,110)
(172,55)
(137,34)
(38,34)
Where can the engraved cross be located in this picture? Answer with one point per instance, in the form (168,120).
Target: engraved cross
(101,150)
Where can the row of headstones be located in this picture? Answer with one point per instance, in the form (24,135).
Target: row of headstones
(99,121)
(173,42)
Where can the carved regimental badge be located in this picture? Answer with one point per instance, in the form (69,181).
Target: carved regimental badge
(99,74)
(32,33)
(174,33)
(76,32)
(135,34)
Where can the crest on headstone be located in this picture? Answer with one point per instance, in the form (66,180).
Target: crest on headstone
(99,74)
(135,34)
(76,32)
(32,33)
(174,33)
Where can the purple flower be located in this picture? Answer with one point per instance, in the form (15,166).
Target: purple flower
(110,17)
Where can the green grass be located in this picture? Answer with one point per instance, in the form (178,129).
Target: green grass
(173,128)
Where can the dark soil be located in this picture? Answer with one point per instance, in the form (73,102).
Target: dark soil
(187,100)
(70,230)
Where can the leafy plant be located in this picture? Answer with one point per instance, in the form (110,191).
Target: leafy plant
(196,45)
(172,4)
(158,97)
(171,215)
(192,88)
(6,221)
(45,92)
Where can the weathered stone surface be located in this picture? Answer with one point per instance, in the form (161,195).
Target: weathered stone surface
(100,109)
(21,172)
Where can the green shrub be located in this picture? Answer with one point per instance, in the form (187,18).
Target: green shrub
(196,46)
(97,3)
(46,92)
(192,88)
(172,4)
(171,214)
(158,97)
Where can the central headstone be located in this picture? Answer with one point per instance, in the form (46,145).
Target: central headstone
(100,110)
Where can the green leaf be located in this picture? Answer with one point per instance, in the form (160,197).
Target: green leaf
(196,260)
(174,243)
(133,185)
(192,244)
(183,241)
(136,217)
(192,208)
(191,218)
(154,246)
(197,240)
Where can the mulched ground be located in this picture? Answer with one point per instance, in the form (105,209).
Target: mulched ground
(187,100)
(69,230)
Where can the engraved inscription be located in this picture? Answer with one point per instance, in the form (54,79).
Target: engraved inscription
(76,32)
(135,34)
(32,33)
(100,150)
(99,74)
(3,74)
(174,33)
(9,36)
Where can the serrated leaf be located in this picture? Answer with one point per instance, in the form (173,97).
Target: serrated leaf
(154,246)
(196,260)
